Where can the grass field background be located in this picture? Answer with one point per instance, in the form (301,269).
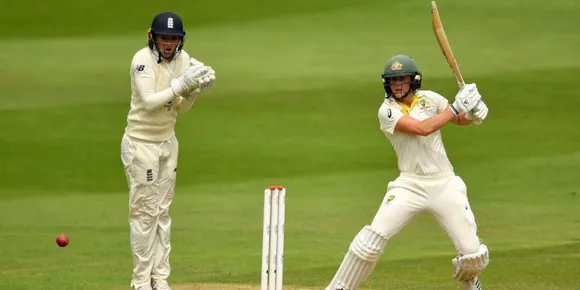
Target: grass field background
(295,101)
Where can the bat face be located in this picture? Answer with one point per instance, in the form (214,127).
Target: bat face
(445,47)
(444,43)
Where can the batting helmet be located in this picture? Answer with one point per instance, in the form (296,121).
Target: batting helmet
(398,66)
(166,23)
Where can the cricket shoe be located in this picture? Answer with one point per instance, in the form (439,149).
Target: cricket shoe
(146,287)
(472,284)
(160,285)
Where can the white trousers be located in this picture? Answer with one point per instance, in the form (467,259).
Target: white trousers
(150,168)
(445,197)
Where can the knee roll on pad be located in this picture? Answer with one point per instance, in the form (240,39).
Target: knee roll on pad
(368,245)
(469,266)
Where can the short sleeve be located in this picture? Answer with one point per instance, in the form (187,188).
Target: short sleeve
(388,118)
(443,102)
(439,100)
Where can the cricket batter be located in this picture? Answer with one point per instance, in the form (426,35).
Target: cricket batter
(165,81)
(411,118)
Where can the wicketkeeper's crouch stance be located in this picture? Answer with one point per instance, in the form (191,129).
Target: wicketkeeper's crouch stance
(411,118)
(164,81)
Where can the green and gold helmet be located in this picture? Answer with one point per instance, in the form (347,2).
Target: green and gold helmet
(398,66)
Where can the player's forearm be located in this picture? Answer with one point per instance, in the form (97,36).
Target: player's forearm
(461,120)
(435,123)
(185,104)
(155,100)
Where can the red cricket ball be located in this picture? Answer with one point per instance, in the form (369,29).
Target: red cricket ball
(62,240)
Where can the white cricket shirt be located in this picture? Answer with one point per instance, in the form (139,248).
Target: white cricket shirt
(421,155)
(149,77)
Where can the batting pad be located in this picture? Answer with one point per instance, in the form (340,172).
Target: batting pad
(360,260)
(469,266)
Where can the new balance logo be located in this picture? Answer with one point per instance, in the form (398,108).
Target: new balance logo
(170,22)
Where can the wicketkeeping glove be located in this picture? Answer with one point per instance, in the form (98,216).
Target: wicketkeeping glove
(206,81)
(189,80)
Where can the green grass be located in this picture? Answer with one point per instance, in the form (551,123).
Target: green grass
(294,103)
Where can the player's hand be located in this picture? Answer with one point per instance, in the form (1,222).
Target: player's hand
(466,99)
(193,75)
(189,80)
(479,113)
(206,81)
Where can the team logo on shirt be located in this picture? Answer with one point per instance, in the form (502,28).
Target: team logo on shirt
(168,106)
(390,198)
(149,174)
(426,106)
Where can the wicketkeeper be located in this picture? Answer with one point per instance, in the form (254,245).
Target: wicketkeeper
(165,81)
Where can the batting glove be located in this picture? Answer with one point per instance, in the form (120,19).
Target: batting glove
(479,113)
(466,99)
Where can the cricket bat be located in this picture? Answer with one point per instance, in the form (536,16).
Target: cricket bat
(444,44)
(445,47)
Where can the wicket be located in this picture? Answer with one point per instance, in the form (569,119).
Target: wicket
(273,237)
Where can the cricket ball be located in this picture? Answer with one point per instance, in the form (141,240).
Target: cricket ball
(62,240)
